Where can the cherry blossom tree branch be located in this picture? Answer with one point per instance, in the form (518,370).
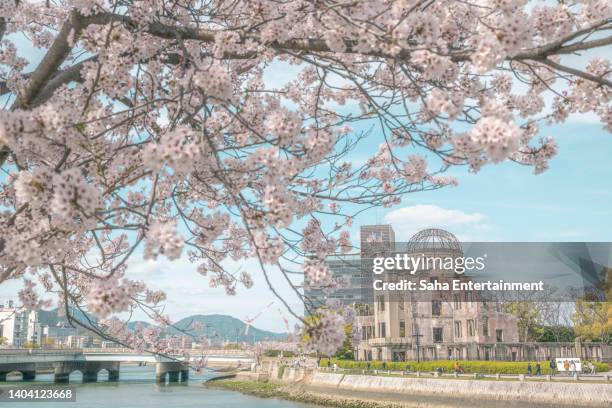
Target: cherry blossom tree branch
(581,74)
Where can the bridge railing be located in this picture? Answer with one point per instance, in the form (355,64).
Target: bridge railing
(39,351)
(120,350)
(109,350)
(193,352)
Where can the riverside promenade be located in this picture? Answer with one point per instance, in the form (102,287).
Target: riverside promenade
(433,389)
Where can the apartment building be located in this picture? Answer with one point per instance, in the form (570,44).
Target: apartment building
(19,327)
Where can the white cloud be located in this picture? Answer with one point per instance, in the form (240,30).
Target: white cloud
(407,221)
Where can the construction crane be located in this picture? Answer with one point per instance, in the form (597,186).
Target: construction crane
(285,320)
(248,321)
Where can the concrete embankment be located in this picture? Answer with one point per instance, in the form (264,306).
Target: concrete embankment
(439,391)
(531,392)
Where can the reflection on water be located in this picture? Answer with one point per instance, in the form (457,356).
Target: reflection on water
(137,389)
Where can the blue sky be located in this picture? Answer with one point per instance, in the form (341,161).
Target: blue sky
(569,202)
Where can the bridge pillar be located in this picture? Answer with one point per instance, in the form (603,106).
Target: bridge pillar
(113,375)
(3,375)
(29,375)
(61,377)
(160,378)
(185,375)
(172,368)
(62,371)
(90,376)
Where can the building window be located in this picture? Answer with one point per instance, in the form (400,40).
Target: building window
(470,328)
(457,299)
(402,328)
(382,330)
(457,329)
(485,326)
(437,335)
(499,335)
(381,303)
(436,307)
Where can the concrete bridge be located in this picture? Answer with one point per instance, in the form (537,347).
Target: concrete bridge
(90,361)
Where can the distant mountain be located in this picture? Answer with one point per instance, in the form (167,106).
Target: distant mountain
(52,318)
(218,328)
(224,328)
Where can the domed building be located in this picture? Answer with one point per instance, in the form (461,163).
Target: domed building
(434,240)
(406,325)
(402,325)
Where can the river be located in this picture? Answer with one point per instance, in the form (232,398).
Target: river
(136,388)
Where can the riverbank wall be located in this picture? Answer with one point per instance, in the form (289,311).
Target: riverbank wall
(397,388)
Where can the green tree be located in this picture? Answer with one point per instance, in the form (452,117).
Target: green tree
(31,345)
(556,334)
(593,321)
(528,319)
(593,315)
(48,342)
(346,351)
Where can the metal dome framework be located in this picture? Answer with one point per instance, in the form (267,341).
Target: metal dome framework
(434,240)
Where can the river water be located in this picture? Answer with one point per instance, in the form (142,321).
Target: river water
(136,388)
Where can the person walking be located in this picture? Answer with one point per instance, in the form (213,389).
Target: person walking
(538,369)
(553,366)
(529,369)
(573,368)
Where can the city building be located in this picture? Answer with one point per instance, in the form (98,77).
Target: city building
(19,327)
(180,342)
(60,335)
(349,266)
(77,342)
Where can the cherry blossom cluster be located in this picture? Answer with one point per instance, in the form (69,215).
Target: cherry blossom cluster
(108,296)
(326,333)
(163,239)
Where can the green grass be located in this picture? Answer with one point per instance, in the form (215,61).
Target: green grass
(481,367)
(258,389)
